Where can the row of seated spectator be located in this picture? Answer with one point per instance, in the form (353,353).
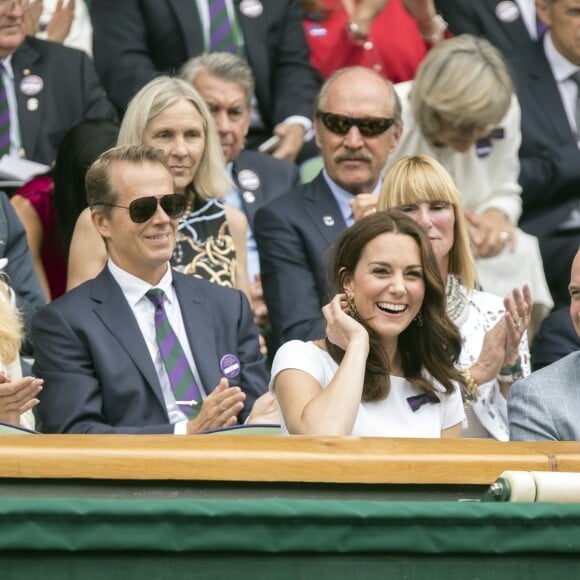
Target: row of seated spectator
(92,392)
(502,233)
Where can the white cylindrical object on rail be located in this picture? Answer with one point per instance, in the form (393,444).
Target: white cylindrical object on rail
(522,486)
(557,486)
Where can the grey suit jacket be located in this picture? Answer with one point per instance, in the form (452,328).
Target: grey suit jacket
(293,233)
(71,93)
(98,374)
(546,404)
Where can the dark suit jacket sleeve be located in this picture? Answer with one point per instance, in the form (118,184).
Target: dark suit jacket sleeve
(72,400)
(289,284)
(254,377)
(295,83)
(121,50)
(556,339)
(460,16)
(20,270)
(550,172)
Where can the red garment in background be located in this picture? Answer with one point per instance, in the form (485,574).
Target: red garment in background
(394,47)
(38,191)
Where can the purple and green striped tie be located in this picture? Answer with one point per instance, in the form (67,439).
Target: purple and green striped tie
(4,119)
(221,28)
(180,376)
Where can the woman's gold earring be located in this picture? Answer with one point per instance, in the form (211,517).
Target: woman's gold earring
(419,318)
(352,311)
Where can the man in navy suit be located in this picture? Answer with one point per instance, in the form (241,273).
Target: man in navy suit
(357,124)
(506,24)
(50,88)
(550,149)
(97,349)
(135,40)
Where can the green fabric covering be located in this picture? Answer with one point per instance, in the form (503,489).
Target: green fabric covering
(288,525)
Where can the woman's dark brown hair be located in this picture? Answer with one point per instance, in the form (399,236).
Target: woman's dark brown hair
(433,346)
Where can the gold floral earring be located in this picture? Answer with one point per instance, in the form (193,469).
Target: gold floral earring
(351,306)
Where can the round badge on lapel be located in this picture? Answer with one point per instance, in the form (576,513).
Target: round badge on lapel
(328,220)
(249,179)
(249,197)
(32,104)
(230,366)
(31,85)
(507,11)
(251,8)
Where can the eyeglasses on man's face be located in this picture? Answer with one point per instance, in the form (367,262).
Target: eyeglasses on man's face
(144,208)
(368,126)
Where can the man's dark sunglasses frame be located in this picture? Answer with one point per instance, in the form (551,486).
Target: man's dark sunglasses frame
(144,208)
(368,126)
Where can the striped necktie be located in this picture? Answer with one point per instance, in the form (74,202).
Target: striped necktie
(4,118)
(181,378)
(222,36)
(576,78)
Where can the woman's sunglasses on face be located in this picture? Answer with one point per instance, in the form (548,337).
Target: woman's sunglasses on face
(144,208)
(368,126)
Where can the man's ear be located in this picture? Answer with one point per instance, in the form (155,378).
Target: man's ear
(396,137)
(101,223)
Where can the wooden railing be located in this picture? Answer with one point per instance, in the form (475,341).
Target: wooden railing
(257,458)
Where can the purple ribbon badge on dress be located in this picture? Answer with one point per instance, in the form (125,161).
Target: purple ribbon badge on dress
(483,146)
(417,401)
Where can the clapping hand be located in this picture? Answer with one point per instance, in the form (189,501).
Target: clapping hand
(220,409)
(17,397)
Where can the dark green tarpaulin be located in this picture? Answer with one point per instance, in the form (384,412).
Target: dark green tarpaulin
(285,538)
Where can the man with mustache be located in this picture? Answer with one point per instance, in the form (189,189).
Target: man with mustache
(357,124)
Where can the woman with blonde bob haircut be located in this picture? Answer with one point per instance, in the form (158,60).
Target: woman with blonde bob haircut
(169,114)
(461,110)
(494,341)
(463,84)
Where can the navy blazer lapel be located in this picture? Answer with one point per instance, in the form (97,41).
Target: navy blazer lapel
(323,210)
(29,118)
(514,29)
(199,328)
(114,311)
(189,21)
(254,32)
(257,195)
(544,89)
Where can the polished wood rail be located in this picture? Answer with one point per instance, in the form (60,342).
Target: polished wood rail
(265,458)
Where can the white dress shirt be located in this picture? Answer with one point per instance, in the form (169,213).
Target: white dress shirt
(134,290)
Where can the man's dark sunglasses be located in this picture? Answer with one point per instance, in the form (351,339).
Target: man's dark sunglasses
(143,208)
(368,126)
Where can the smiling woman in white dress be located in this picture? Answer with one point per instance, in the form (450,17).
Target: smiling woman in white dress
(386,367)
